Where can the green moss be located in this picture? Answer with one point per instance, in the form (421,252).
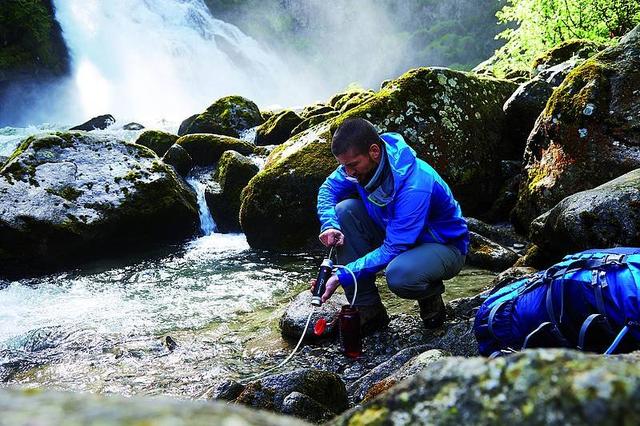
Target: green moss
(372,416)
(580,48)
(227,116)
(68,193)
(158,141)
(206,149)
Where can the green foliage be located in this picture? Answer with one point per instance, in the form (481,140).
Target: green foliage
(30,37)
(543,24)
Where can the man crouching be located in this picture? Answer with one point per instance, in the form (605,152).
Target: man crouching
(404,218)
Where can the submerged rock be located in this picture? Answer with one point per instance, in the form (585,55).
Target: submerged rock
(605,216)
(206,149)
(157,141)
(588,134)
(96,123)
(68,197)
(532,387)
(38,406)
(233,173)
(295,316)
(228,116)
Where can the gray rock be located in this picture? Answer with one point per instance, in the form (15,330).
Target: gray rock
(227,390)
(70,197)
(487,254)
(588,134)
(133,126)
(605,216)
(96,123)
(178,158)
(233,173)
(410,368)
(182,130)
(501,233)
(534,387)
(323,387)
(360,387)
(302,406)
(47,407)
(295,316)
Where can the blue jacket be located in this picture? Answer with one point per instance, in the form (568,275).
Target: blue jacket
(422,209)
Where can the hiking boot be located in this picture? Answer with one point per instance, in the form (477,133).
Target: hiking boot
(432,311)
(372,318)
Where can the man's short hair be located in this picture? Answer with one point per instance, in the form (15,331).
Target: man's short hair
(355,133)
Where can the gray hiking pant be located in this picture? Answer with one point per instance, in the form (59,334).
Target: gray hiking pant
(414,274)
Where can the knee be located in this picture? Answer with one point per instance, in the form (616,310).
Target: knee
(398,280)
(345,207)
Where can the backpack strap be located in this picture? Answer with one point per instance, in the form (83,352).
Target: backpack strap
(492,315)
(552,317)
(584,328)
(599,282)
(617,340)
(540,327)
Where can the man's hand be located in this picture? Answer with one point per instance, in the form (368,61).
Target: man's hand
(332,237)
(330,287)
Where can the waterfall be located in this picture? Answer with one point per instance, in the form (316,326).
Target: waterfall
(207,224)
(163,59)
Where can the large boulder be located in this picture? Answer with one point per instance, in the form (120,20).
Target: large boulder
(157,141)
(67,197)
(228,116)
(206,149)
(534,387)
(606,216)
(278,209)
(277,128)
(588,134)
(47,407)
(233,173)
(442,114)
(565,51)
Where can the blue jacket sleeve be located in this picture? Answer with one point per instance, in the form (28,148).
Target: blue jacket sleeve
(402,232)
(334,189)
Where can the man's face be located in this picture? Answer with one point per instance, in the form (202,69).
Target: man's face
(360,166)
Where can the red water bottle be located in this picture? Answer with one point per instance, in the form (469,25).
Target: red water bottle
(350,331)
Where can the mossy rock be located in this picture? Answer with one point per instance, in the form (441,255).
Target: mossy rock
(588,133)
(278,209)
(48,407)
(31,40)
(182,130)
(277,129)
(157,141)
(71,197)
(442,114)
(605,216)
(533,387)
(313,120)
(315,109)
(487,254)
(206,149)
(178,158)
(568,49)
(347,103)
(454,121)
(228,116)
(339,99)
(233,173)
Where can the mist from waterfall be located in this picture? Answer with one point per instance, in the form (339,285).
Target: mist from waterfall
(165,59)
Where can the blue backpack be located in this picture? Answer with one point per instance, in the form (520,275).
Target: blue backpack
(589,301)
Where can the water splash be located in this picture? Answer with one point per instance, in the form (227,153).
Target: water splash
(146,60)
(195,180)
